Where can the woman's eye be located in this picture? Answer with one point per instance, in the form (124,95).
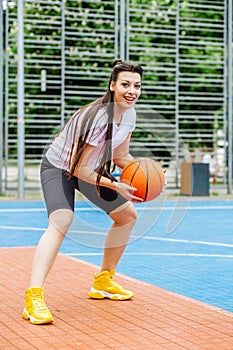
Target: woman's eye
(138,86)
(125,84)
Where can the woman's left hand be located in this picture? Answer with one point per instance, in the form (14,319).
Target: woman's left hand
(127,191)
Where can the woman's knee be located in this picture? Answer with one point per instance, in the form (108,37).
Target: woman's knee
(131,213)
(61,220)
(124,214)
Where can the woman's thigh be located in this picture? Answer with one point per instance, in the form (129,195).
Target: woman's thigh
(58,189)
(106,199)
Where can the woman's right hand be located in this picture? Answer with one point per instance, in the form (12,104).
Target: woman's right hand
(127,191)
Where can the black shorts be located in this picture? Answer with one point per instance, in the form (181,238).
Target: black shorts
(59,190)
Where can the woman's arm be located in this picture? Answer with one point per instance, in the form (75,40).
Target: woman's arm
(85,173)
(121,154)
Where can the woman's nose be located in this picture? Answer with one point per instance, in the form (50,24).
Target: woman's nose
(131,89)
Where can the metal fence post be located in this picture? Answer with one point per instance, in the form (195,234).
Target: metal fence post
(177,91)
(229,44)
(20,99)
(62,62)
(1,94)
(122,30)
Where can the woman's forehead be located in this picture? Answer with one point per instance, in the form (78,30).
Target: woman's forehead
(129,76)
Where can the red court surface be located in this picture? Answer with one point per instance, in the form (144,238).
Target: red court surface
(155,319)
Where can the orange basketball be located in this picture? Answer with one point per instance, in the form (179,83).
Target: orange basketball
(146,175)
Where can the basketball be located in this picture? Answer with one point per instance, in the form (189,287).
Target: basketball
(146,175)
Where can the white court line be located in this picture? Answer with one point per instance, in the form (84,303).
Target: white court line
(159,254)
(229,245)
(21,228)
(211,207)
(161,239)
(21,210)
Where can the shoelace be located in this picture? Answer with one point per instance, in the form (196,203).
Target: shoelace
(116,283)
(39,302)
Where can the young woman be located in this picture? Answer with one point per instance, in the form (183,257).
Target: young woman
(80,157)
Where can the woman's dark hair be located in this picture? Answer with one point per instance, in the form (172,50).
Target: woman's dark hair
(106,103)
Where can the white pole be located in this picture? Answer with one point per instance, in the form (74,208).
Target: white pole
(63,63)
(230,96)
(20,99)
(122,30)
(1,93)
(116,29)
(127,29)
(177,90)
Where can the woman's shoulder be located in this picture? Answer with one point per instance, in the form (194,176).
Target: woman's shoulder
(130,115)
(98,113)
(131,111)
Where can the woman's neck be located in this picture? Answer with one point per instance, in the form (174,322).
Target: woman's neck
(118,114)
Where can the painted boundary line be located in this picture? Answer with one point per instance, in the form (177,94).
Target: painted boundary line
(212,207)
(161,239)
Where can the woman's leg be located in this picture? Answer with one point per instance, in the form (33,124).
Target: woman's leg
(124,220)
(49,244)
(104,285)
(35,309)
(58,192)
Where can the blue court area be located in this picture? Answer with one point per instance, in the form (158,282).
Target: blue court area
(185,247)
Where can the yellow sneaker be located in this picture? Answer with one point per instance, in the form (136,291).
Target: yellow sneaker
(35,309)
(104,286)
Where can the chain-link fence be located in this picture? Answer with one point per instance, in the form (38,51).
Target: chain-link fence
(58,56)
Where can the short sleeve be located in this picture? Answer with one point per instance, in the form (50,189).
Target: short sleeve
(130,119)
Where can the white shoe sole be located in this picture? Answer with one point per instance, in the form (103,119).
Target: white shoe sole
(101,294)
(34,320)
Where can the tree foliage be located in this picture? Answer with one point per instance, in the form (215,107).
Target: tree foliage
(187,62)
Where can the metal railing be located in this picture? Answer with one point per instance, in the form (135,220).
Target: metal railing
(68,48)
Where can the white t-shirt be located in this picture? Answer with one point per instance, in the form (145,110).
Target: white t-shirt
(213,165)
(59,151)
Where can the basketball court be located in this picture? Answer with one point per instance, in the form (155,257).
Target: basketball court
(179,263)
(55,56)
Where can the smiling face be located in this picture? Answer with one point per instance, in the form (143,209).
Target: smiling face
(126,89)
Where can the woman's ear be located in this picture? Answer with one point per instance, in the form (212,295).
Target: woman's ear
(112,86)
